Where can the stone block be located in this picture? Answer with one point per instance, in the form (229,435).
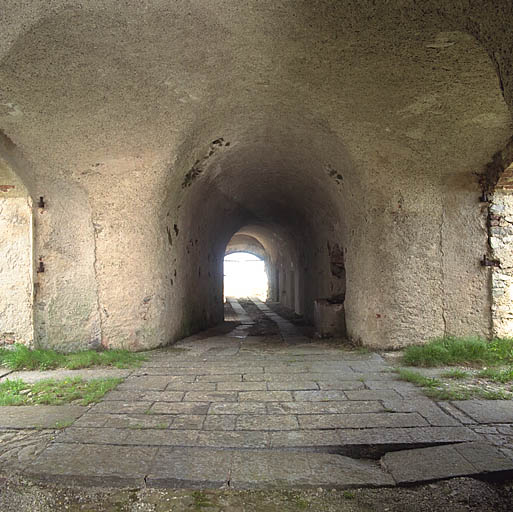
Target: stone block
(242,386)
(121,407)
(339,472)
(267,422)
(144,383)
(188,422)
(329,319)
(340,407)
(305,438)
(270,469)
(341,385)
(371,420)
(136,420)
(265,396)
(487,411)
(447,461)
(162,437)
(96,465)
(92,435)
(319,396)
(233,439)
(291,385)
(219,422)
(237,408)
(211,396)
(191,468)
(39,416)
(197,408)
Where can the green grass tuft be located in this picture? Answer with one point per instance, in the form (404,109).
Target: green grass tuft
(22,358)
(418,379)
(55,392)
(453,351)
(502,376)
(448,393)
(456,374)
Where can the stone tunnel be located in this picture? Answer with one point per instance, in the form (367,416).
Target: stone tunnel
(361,148)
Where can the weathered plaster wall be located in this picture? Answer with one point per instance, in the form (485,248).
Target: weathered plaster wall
(159,130)
(16,282)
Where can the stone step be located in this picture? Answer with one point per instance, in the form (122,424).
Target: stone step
(201,468)
(360,443)
(210,468)
(442,462)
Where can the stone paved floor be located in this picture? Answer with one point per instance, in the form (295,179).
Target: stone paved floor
(258,411)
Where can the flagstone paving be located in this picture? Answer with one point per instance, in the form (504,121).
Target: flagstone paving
(242,411)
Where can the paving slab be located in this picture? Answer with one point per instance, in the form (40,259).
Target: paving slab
(267,422)
(238,408)
(487,411)
(266,396)
(319,396)
(426,408)
(242,386)
(309,407)
(39,416)
(190,468)
(121,407)
(31,376)
(197,408)
(233,439)
(278,469)
(97,465)
(279,410)
(448,461)
(93,435)
(162,438)
(370,420)
(145,382)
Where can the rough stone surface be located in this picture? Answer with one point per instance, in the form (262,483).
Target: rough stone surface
(501,238)
(16,263)
(445,462)
(251,438)
(483,411)
(345,138)
(39,416)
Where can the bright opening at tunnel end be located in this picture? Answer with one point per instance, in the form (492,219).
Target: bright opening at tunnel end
(245,276)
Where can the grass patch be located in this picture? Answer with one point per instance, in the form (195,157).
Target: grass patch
(502,376)
(22,358)
(418,379)
(454,351)
(456,374)
(448,393)
(55,392)
(439,390)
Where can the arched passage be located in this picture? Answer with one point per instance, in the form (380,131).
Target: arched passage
(345,135)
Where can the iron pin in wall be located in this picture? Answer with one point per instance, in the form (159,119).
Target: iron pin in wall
(41,202)
(41,266)
(489,262)
(484,198)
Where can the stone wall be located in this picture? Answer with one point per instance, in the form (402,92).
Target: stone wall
(501,242)
(16,267)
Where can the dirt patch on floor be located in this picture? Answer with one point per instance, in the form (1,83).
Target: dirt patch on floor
(457,495)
